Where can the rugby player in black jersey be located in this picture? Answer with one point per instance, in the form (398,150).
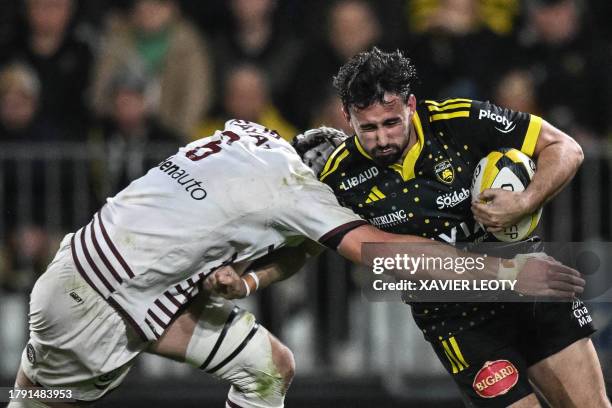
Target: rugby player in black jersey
(408,170)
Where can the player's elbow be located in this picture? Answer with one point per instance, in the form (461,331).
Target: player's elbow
(572,151)
(578,153)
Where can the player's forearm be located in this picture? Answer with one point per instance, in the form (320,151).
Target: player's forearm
(283,263)
(557,163)
(428,254)
(538,278)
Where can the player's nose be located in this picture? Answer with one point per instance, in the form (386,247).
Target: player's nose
(382,138)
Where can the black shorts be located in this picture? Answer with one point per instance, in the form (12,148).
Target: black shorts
(489,362)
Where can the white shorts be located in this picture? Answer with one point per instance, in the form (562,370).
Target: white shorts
(77,340)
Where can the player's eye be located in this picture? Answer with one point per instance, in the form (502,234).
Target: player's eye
(392,122)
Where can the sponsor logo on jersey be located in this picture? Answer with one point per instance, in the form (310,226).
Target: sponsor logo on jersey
(581,313)
(476,234)
(394,218)
(76,297)
(507,125)
(445,172)
(375,195)
(362,177)
(192,186)
(495,378)
(452,199)
(31,354)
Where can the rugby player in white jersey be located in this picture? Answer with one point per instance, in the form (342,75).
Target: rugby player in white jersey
(127,282)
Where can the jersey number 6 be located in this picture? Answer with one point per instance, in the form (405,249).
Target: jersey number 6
(213,147)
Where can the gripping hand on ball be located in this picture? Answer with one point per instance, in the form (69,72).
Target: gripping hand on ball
(496,208)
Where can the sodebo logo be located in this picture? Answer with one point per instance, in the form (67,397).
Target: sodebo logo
(508,126)
(452,199)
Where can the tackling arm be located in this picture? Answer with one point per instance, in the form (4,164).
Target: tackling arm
(536,274)
(277,266)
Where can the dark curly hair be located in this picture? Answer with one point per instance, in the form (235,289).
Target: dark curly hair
(365,78)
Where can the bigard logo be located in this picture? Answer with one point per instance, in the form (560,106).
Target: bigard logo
(495,378)
(445,172)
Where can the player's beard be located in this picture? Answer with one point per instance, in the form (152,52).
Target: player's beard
(388,158)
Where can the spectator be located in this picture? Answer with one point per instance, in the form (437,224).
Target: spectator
(570,66)
(328,112)
(499,16)
(516,90)
(27,242)
(246,95)
(352,27)
(154,37)
(130,138)
(452,46)
(20,105)
(61,60)
(259,37)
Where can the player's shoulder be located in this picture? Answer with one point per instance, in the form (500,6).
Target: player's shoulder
(345,158)
(247,128)
(451,109)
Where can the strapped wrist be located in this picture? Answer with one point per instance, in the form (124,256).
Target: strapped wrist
(251,282)
(246,285)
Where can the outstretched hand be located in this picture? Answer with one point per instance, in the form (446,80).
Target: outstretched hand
(545,276)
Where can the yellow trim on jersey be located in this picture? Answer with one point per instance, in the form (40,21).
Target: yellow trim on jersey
(490,171)
(361,149)
(332,157)
(531,138)
(449,101)
(449,107)
(341,157)
(442,116)
(457,364)
(458,354)
(450,358)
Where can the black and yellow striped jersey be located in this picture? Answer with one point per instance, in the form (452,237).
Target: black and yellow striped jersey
(429,193)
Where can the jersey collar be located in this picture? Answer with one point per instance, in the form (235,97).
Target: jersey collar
(406,169)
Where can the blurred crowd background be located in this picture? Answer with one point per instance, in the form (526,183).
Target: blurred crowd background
(94,92)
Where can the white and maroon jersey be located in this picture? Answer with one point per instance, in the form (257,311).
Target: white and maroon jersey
(231,197)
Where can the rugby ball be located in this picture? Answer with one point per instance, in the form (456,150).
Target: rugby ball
(512,170)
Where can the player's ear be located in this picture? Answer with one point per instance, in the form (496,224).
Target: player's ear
(411,102)
(346,114)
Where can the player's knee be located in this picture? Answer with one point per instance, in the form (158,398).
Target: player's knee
(602,400)
(283,359)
